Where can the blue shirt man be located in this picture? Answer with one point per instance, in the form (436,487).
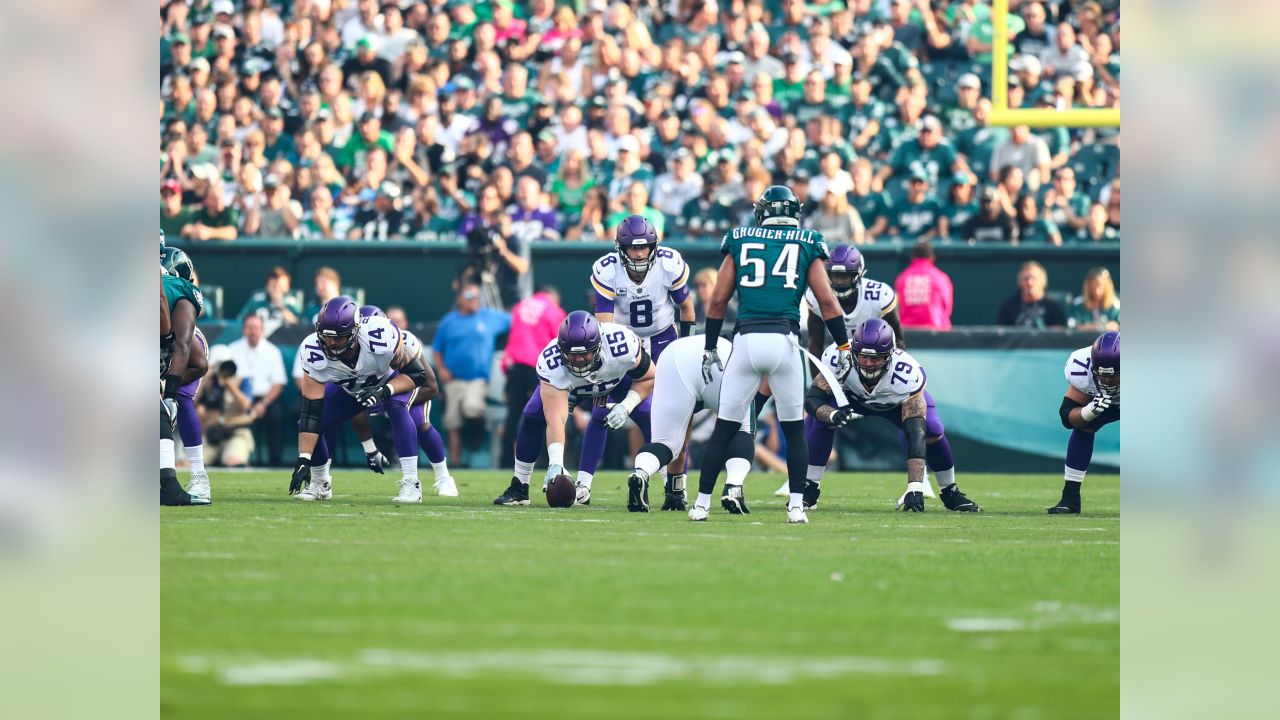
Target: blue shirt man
(463,348)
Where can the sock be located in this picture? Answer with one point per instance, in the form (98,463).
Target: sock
(368,446)
(409,466)
(653,457)
(714,457)
(524,471)
(796,501)
(167,461)
(1073,477)
(433,445)
(946,478)
(585,478)
(703,501)
(940,460)
(797,455)
(662,478)
(814,474)
(736,470)
(195,456)
(441,469)
(677,482)
(320,473)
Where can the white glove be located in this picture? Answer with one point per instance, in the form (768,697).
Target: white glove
(709,358)
(844,362)
(553,471)
(1096,407)
(617,416)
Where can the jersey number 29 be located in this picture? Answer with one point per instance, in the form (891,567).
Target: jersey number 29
(784,267)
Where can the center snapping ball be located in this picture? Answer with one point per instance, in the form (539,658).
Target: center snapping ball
(561,492)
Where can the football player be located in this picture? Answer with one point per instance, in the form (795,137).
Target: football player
(587,362)
(181,305)
(679,391)
(887,383)
(1092,401)
(640,286)
(350,366)
(175,262)
(770,266)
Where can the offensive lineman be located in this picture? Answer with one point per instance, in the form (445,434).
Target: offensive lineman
(352,366)
(1092,401)
(588,361)
(639,286)
(890,385)
(770,265)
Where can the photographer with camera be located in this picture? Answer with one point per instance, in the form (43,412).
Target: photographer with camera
(497,259)
(227,414)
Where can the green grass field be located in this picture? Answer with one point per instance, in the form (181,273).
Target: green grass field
(356,608)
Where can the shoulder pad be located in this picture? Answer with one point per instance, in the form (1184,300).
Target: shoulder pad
(379,336)
(1077,369)
(311,354)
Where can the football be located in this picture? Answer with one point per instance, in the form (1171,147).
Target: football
(561,492)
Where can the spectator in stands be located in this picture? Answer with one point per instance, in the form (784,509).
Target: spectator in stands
(260,362)
(925,294)
(463,347)
(636,202)
(532,219)
(590,225)
(381,219)
(369,135)
(1025,151)
(1064,203)
(673,189)
(1097,229)
(1038,35)
(991,223)
(173,216)
(837,222)
(277,215)
(328,285)
(928,152)
(318,221)
(1098,307)
(703,218)
(1033,229)
(960,206)
(1065,56)
(214,220)
(274,304)
(1029,306)
(534,323)
(397,316)
(916,218)
(832,177)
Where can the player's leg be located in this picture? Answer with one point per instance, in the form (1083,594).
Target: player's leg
(939,459)
(787,382)
(530,438)
(339,407)
(171,492)
(594,438)
(742,452)
(737,392)
(1079,455)
(821,438)
(433,445)
(405,434)
(670,408)
(192,435)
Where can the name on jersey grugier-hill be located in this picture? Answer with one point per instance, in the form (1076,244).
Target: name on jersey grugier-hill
(789,234)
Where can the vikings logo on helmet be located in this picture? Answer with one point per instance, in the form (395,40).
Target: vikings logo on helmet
(336,326)
(873,345)
(635,231)
(846,269)
(579,342)
(1106,361)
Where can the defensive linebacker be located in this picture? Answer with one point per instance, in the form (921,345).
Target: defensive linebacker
(1091,402)
(349,366)
(176,262)
(180,363)
(770,266)
(679,391)
(587,362)
(640,286)
(889,384)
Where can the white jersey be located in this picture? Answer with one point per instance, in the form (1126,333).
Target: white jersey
(647,307)
(875,300)
(619,350)
(682,363)
(379,341)
(1079,371)
(903,379)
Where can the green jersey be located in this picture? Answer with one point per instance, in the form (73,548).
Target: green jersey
(175,289)
(772,272)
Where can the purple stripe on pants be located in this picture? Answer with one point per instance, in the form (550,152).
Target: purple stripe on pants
(339,406)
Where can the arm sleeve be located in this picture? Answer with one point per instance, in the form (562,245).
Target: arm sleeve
(603,304)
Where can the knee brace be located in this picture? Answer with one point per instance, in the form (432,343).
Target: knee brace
(1064,411)
(660,451)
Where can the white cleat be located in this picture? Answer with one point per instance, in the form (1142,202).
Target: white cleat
(446,487)
(698,514)
(316,491)
(410,491)
(796,515)
(198,487)
(784,491)
(582,496)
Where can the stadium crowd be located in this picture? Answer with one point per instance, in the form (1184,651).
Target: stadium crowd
(551,121)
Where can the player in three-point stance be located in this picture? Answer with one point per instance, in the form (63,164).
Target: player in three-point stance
(181,363)
(587,362)
(643,287)
(770,266)
(350,366)
(1092,401)
(889,384)
(175,262)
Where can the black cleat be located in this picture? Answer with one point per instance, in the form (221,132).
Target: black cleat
(812,491)
(955,500)
(172,494)
(674,499)
(913,502)
(1070,502)
(515,494)
(637,493)
(734,501)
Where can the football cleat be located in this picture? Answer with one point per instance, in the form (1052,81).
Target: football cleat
(674,499)
(912,501)
(796,515)
(316,491)
(583,495)
(410,491)
(516,494)
(784,491)
(698,514)
(172,494)
(734,501)
(955,500)
(198,487)
(446,487)
(637,493)
(812,491)
(1070,502)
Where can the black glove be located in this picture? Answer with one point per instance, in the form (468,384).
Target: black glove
(913,502)
(301,476)
(375,461)
(369,397)
(844,416)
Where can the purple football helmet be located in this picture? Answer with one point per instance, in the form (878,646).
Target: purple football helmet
(336,326)
(368,311)
(1106,360)
(579,342)
(845,268)
(635,231)
(873,344)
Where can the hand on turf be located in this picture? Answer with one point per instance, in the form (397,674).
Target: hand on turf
(617,417)
(709,358)
(376,461)
(170,412)
(844,416)
(1096,407)
(369,397)
(913,502)
(553,471)
(301,476)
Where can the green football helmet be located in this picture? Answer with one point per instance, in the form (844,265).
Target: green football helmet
(176,263)
(777,205)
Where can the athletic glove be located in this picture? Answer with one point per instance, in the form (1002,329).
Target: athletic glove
(1096,407)
(553,471)
(844,362)
(913,500)
(843,416)
(709,358)
(170,412)
(369,397)
(617,417)
(376,461)
(301,475)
